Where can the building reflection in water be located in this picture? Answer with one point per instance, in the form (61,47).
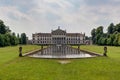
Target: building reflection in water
(61,51)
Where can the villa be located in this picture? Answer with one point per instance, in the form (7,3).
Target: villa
(58,36)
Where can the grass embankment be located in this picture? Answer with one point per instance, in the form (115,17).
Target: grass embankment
(99,68)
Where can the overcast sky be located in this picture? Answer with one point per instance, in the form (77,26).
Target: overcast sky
(31,16)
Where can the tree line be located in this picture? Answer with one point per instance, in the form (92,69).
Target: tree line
(111,37)
(9,38)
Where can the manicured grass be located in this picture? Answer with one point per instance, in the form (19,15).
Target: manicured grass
(99,68)
(113,52)
(9,53)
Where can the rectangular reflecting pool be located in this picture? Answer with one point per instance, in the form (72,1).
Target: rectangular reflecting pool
(61,51)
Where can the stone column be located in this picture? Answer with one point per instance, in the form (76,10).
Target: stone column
(20,51)
(105,51)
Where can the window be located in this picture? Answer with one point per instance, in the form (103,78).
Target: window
(33,41)
(33,38)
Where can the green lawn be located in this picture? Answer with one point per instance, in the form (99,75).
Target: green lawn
(25,68)
(10,53)
(113,52)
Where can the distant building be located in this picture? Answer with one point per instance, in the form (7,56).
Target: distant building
(58,36)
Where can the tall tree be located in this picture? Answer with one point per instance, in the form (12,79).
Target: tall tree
(6,37)
(18,36)
(109,41)
(112,37)
(2,27)
(7,40)
(104,41)
(111,28)
(19,39)
(13,34)
(99,30)
(93,33)
(1,40)
(117,27)
(99,33)
(117,39)
(23,38)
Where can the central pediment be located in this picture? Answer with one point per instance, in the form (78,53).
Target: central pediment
(58,32)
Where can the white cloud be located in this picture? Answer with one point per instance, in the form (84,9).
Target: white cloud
(44,15)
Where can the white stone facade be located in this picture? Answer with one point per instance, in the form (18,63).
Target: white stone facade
(58,36)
